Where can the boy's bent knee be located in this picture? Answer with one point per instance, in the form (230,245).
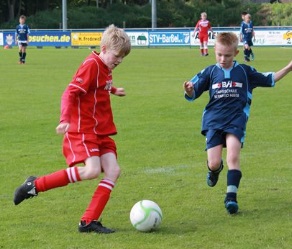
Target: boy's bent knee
(214,164)
(89,173)
(112,173)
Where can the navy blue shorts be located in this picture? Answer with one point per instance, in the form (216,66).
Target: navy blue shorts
(217,137)
(248,42)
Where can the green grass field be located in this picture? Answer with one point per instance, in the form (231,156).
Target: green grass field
(161,153)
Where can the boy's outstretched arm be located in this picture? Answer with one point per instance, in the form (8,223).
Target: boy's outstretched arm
(118,91)
(189,88)
(283,72)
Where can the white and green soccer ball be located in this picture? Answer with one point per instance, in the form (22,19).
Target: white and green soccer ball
(146,215)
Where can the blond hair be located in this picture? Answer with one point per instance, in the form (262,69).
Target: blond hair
(116,39)
(204,14)
(228,39)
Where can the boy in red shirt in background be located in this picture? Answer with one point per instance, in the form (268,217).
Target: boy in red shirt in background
(203,26)
(87,124)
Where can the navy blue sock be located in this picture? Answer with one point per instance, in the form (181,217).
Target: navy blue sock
(23,57)
(248,52)
(233,180)
(245,52)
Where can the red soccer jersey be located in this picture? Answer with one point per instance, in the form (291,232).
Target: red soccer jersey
(86,101)
(203,26)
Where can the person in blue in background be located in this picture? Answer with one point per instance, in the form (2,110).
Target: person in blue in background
(22,37)
(242,16)
(247,36)
(230,86)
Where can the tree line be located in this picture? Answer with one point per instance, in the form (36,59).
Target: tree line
(11,9)
(47,14)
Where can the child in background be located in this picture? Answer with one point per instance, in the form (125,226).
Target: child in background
(230,87)
(203,26)
(87,124)
(243,15)
(22,37)
(247,35)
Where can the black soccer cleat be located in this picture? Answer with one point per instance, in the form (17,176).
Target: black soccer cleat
(213,176)
(25,191)
(93,226)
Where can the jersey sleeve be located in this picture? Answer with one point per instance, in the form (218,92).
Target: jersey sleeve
(242,26)
(113,90)
(258,79)
(197,27)
(85,76)
(68,98)
(201,83)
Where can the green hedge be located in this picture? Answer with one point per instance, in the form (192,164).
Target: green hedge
(169,14)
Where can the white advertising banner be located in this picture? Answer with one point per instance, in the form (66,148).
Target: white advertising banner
(273,38)
(1,39)
(139,38)
(262,37)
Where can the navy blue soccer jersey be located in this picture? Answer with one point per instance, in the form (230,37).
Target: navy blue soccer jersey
(230,94)
(246,30)
(22,31)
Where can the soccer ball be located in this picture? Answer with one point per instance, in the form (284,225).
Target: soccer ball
(145,215)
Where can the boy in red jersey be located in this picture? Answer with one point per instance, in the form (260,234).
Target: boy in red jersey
(203,26)
(87,124)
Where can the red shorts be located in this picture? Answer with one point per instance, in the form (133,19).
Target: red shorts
(77,147)
(203,38)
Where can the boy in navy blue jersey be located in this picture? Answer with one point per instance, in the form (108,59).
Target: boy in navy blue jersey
(247,36)
(22,35)
(243,15)
(230,87)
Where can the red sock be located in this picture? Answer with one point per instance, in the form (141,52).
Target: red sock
(202,51)
(98,201)
(57,179)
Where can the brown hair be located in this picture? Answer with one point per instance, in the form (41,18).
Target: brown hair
(227,39)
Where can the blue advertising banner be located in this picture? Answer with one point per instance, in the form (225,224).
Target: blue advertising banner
(50,38)
(9,39)
(41,38)
(174,38)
